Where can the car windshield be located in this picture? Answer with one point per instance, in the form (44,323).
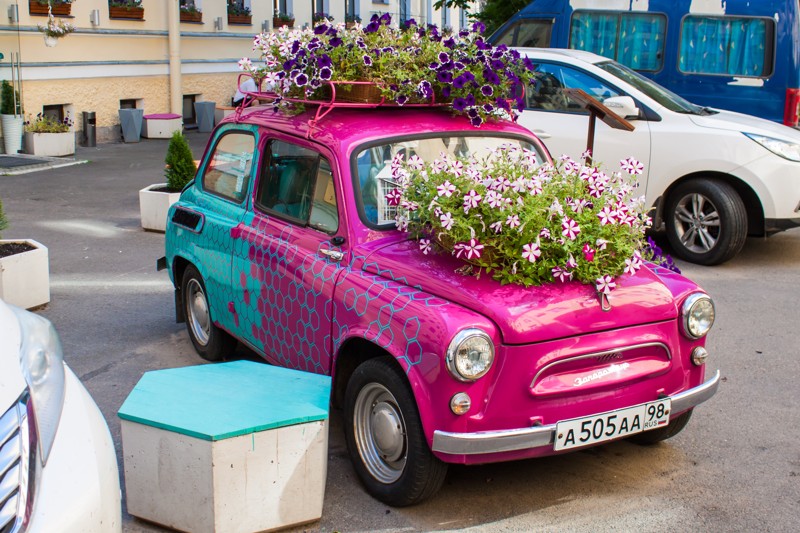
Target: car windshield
(373,166)
(663,96)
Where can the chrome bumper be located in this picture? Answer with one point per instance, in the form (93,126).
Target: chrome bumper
(521,439)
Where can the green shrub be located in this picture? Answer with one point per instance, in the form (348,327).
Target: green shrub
(7,104)
(3,221)
(180,162)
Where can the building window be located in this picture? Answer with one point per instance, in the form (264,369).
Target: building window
(734,46)
(634,39)
(128,103)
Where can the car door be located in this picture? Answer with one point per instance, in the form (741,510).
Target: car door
(225,178)
(288,256)
(563,125)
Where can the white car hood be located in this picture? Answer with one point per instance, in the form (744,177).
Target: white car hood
(731,121)
(11,381)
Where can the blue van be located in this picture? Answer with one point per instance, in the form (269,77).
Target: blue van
(741,55)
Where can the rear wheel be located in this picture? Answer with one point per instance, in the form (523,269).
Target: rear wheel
(655,436)
(706,221)
(384,436)
(210,342)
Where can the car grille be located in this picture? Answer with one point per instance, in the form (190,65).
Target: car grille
(15,461)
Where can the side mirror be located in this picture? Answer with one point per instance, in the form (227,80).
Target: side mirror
(623,106)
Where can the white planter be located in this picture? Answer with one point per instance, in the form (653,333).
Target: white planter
(154,206)
(50,144)
(12,133)
(25,277)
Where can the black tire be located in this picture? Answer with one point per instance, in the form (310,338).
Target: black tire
(706,221)
(210,342)
(397,469)
(654,436)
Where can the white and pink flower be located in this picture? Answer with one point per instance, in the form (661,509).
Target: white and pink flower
(446,189)
(570,228)
(605,284)
(531,251)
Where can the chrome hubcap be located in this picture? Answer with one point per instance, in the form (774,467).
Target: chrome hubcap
(199,318)
(697,223)
(380,433)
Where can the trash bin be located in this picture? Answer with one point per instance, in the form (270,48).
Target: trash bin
(89,129)
(204,111)
(130,120)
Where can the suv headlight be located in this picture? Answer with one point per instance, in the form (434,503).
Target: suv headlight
(42,364)
(470,354)
(785,149)
(697,315)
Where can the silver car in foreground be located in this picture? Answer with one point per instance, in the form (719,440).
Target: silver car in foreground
(58,469)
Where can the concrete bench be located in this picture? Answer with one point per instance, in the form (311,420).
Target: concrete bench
(238,446)
(222,111)
(161,125)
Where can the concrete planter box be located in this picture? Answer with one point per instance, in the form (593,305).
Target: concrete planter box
(199,457)
(12,133)
(161,126)
(154,205)
(25,277)
(50,144)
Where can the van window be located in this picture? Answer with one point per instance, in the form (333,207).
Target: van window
(529,33)
(633,39)
(737,46)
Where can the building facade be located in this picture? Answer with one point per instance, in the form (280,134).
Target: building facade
(158,55)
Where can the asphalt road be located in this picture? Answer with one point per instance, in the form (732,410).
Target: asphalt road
(736,467)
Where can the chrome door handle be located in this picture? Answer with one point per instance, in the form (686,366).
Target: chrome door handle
(333,254)
(542,134)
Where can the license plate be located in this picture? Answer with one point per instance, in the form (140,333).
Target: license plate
(611,425)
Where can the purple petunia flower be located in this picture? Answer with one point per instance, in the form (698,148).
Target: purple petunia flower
(324,61)
(459,82)
(319,29)
(478,27)
(470,100)
(444,77)
(487,90)
(367,61)
(459,104)
(449,43)
(402,99)
(301,80)
(498,64)
(446,92)
(528,63)
(463,33)
(434,66)
(325,73)
(372,27)
(410,22)
(488,108)
(335,42)
(424,89)
(480,44)
(502,103)
(386,19)
(443,57)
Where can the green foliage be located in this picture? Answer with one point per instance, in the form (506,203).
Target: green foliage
(496,12)
(180,163)
(7,106)
(47,124)
(127,4)
(3,221)
(522,222)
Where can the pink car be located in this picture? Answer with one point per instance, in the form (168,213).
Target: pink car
(285,242)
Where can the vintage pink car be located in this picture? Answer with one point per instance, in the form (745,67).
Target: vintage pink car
(285,242)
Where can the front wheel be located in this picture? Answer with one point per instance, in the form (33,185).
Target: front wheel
(384,436)
(706,221)
(210,342)
(655,436)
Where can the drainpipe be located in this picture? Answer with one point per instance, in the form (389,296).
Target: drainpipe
(175,82)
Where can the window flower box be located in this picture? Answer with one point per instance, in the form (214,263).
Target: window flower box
(280,21)
(239,19)
(134,13)
(35,7)
(191,16)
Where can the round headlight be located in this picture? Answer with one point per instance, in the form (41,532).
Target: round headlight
(698,315)
(470,355)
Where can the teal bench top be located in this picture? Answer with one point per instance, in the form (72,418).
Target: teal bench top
(220,401)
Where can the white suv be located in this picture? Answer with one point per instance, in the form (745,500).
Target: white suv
(714,177)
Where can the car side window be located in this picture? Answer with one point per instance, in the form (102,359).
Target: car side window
(227,173)
(546,93)
(297,184)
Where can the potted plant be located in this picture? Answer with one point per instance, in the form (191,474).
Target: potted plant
(154,201)
(11,117)
(24,270)
(238,13)
(351,19)
(49,137)
(125,9)
(320,16)
(190,12)
(381,64)
(61,8)
(54,30)
(282,19)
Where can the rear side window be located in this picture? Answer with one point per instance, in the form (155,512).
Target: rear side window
(546,94)
(227,173)
(528,33)
(297,184)
(735,46)
(633,39)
